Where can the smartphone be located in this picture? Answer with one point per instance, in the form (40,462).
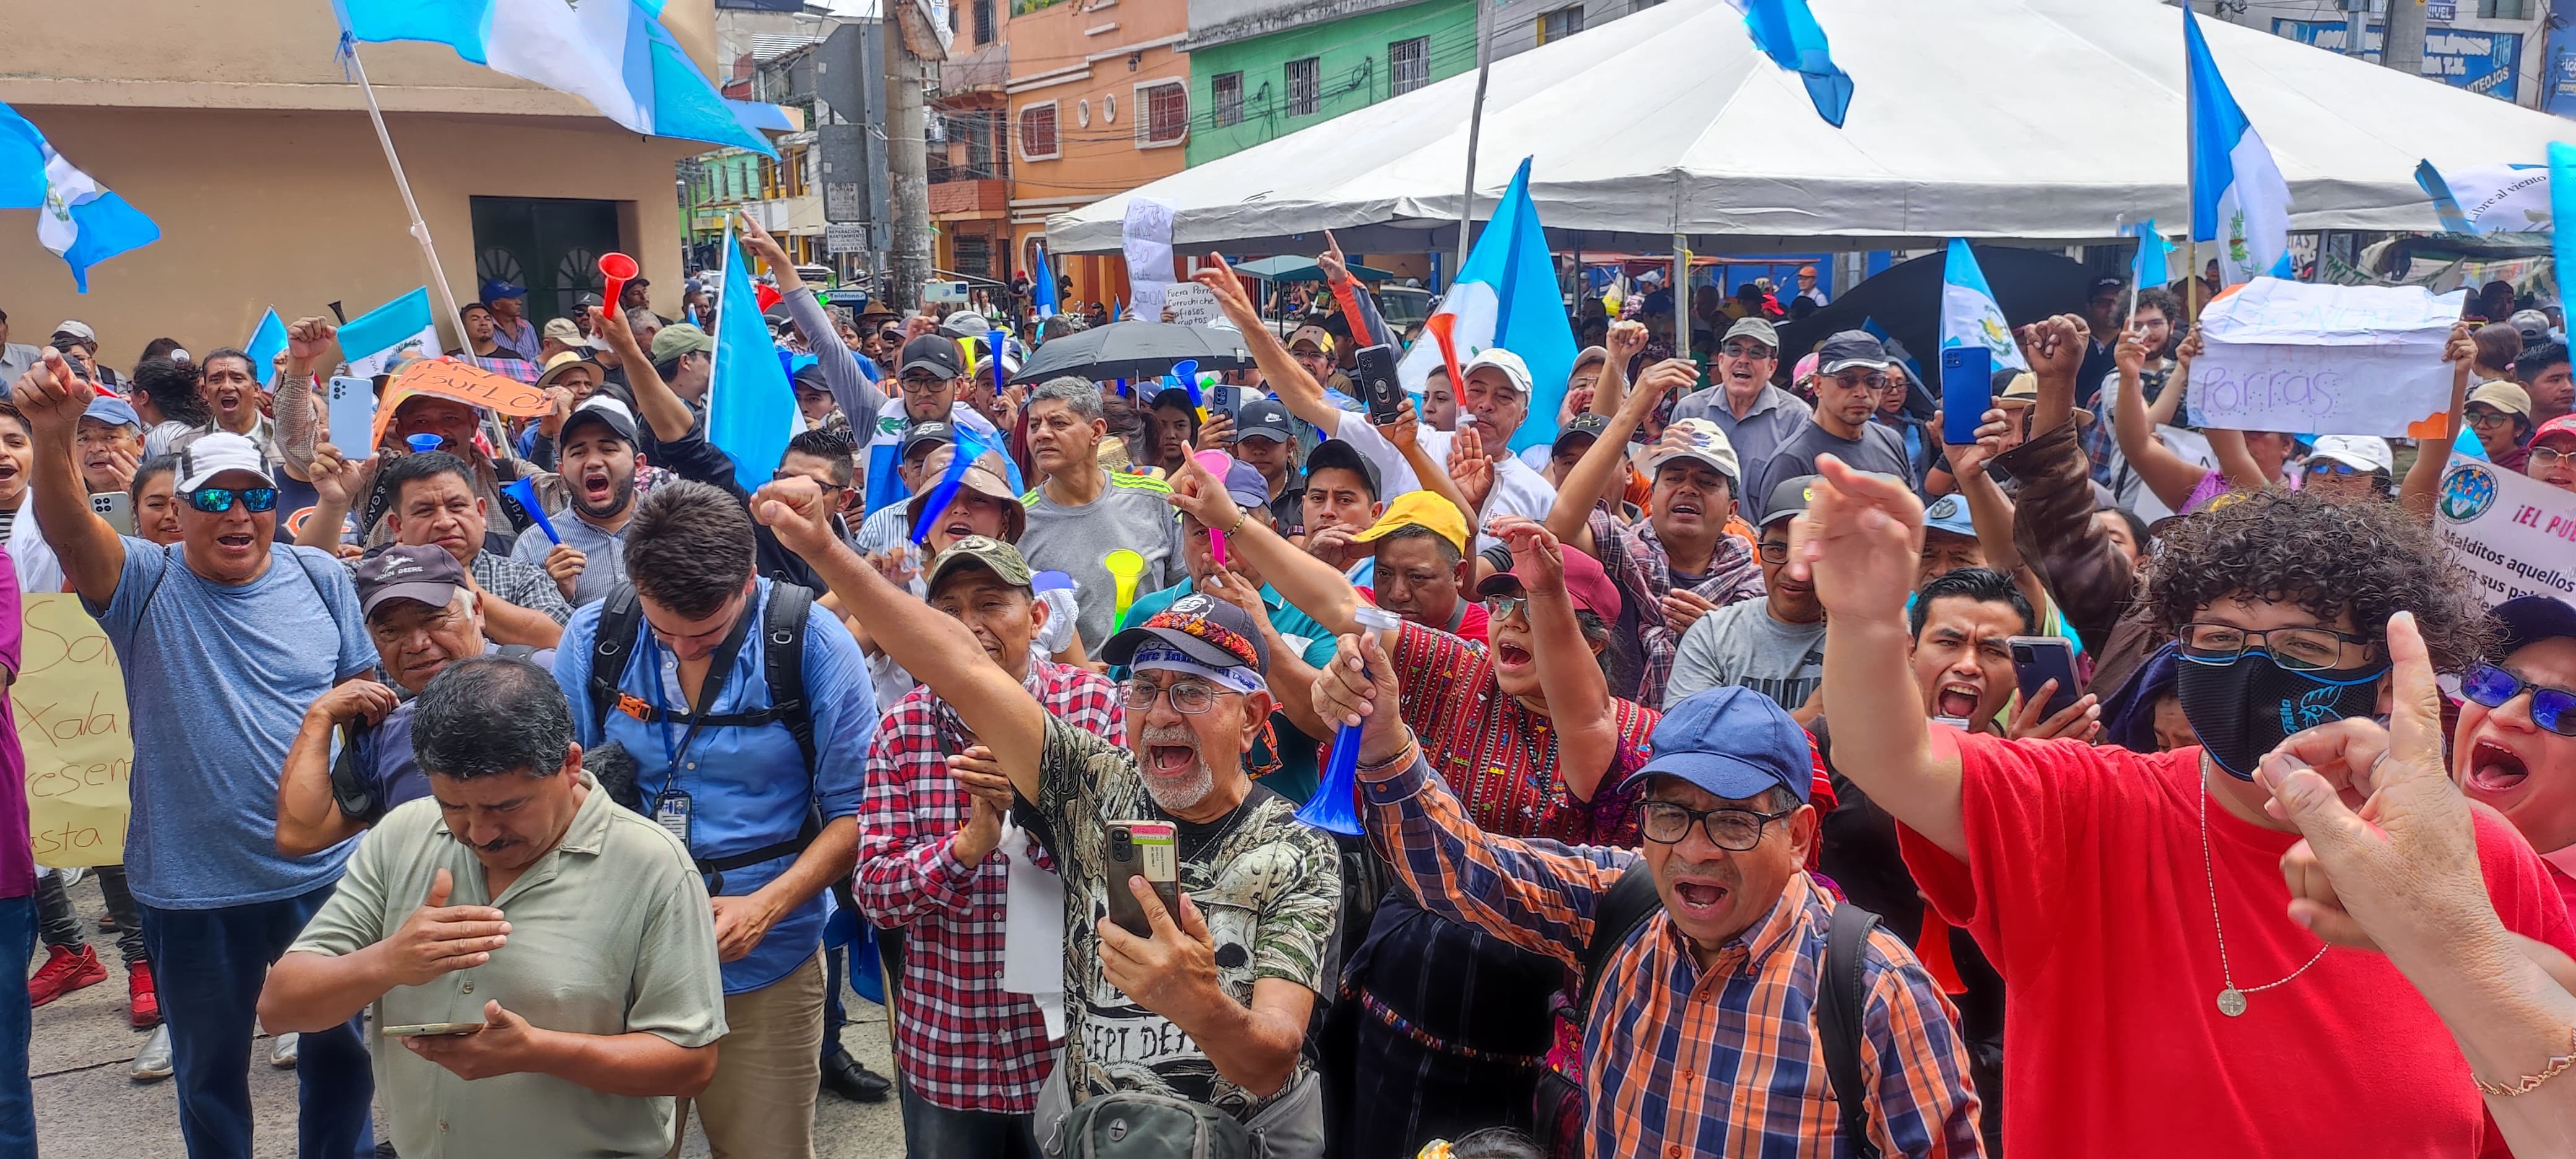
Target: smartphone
(1224,399)
(1150,849)
(1377,383)
(431,1029)
(117,508)
(1967,392)
(2040,659)
(353,417)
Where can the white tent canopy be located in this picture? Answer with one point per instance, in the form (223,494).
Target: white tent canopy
(2022,119)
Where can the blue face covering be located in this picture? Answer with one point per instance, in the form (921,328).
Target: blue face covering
(2244,708)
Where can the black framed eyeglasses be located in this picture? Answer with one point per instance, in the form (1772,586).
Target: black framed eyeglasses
(1730,828)
(1773,551)
(2306,649)
(217,500)
(917,384)
(1189,697)
(2551,708)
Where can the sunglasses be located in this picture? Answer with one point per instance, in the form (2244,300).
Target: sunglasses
(2331,467)
(217,500)
(2551,708)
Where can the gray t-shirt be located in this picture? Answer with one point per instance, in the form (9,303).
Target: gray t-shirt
(1132,512)
(604,565)
(1776,415)
(1743,645)
(222,675)
(1877,449)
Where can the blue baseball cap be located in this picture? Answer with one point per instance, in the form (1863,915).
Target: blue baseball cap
(498,288)
(113,411)
(1949,513)
(1733,743)
(1244,485)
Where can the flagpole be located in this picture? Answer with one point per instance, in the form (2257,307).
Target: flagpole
(1475,126)
(419,228)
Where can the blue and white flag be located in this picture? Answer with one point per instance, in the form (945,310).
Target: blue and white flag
(2153,265)
(265,343)
(1969,315)
(390,333)
(613,53)
(751,409)
(1506,296)
(2489,198)
(2238,197)
(77,218)
(1787,32)
(1042,288)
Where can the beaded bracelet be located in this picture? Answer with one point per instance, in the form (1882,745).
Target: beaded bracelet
(2530,1083)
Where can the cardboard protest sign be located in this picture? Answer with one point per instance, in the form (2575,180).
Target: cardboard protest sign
(2325,360)
(2516,533)
(466,383)
(69,706)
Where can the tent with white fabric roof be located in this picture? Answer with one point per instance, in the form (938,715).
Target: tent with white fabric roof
(2037,120)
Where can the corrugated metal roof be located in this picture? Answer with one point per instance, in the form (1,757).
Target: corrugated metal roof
(771,45)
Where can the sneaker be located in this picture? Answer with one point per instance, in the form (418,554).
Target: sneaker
(142,1002)
(153,1064)
(63,973)
(281,1053)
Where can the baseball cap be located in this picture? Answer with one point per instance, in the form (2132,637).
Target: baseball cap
(2533,618)
(2508,397)
(984,476)
(1336,453)
(2106,282)
(1321,339)
(113,411)
(562,330)
(984,551)
(933,353)
(928,431)
(77,329)
(1732,742)
(680,338)
(1244,485)
(495,289)
(2532,325)
(589,300)
(424,572)
(1789,497)
(216,452)
(1948,513)
(1851,348)
(1758,329)
(1266,418)
(1584,581)
(1589,355)
(2562,425)
(1503,360)
(1583,424)
(1423,509)
(600,408)
(1698,439)
(2361,452)
(1202,628)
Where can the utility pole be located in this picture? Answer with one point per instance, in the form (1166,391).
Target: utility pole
(2403,47)
(2356,28)
(907,153)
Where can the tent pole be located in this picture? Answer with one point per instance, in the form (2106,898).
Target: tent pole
(1475,125)
(1681,296)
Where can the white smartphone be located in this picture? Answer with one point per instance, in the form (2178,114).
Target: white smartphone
(431,1029)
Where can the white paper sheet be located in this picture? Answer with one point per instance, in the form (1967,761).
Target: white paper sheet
(1033,931)
(2325,360)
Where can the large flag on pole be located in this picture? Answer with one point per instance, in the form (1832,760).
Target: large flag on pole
(1969,316)
(1506,296)
(78,219)
(2489,198)
(2238,197)
(751,409)
(397,330)
(616,54)
(1787,32)
(1042,288)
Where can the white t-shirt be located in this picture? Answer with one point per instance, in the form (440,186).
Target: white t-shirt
(1518,490)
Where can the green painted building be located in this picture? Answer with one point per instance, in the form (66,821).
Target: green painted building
(1262,69)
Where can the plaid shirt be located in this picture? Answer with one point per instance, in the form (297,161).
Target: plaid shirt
(508,367)
(2100,442)
(1684,1062)
(961,1041)
(1638,563)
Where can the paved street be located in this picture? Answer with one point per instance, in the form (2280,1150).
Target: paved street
(86,1107)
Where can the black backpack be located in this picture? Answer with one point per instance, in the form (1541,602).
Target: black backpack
(1841,998)
(621,617)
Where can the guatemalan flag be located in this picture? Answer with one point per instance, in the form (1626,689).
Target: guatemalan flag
(613,53)
(2489,198)
(1787,32)
(77,217)
(2238,197)
(1506,296)
(1969,315)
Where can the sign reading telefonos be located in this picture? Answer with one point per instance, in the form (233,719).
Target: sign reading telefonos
(2481,62)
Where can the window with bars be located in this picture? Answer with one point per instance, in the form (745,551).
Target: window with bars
(1037,131)
(1408,65)
(1562,23)
(1163,113)
(983,21)
(1227,90)
(1304,86)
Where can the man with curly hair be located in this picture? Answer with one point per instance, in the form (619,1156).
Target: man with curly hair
(2160,987)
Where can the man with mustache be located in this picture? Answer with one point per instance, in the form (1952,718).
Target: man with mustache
(1211,1006)
(597,456)
(432,503)
(1755,416)
(1774,645)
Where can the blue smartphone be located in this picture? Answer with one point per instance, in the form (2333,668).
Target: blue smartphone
(1967,391)
(2040,659)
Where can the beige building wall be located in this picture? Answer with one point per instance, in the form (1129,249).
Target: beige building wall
(232,125)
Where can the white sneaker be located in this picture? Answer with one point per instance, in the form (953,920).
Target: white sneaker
(153,1063)
(281,1051)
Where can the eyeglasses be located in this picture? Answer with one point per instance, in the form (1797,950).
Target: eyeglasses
(2331,467)
(1502,607)
(1188,696)
(915,384)
(1744,350)
(217,500)
(1773,551)
(783,476)
(1854,380)
(2544,458)
(1666,823)
(2488,418)
(2306,649)
(2551,708)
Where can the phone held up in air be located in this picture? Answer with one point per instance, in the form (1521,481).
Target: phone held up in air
(432,1029)
(2040,659)
(117,508)
(1967,392)
(1377,382)
(1148,849)
(1225,398)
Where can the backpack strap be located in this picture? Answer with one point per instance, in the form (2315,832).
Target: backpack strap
(784,655)
(1841,996)
(621,615)
(1623,907)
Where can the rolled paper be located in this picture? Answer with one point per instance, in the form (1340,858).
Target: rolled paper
(616,270)
(1126,567)
(525,491)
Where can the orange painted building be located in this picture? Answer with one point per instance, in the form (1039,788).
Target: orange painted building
(1099,103)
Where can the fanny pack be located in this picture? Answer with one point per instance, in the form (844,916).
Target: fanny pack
(1137,1125)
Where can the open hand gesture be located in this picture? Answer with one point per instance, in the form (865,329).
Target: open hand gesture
(439,938)
(1858,541)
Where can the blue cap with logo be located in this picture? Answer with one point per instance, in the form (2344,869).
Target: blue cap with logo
(1949,513)
(1733,743)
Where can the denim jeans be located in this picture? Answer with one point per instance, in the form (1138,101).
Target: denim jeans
(17,1097)
(58,921)
(210,965)
(834,1016)
(932,1132)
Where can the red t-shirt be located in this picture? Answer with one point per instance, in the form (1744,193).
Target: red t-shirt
(2085,888)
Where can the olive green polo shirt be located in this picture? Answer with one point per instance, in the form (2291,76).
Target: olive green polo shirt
(610,933)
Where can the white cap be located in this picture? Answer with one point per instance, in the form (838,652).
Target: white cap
(216,452)
(77,329)
(2361,452)
(1503,360)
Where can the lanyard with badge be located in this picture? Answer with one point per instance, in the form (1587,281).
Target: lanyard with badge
(672,806)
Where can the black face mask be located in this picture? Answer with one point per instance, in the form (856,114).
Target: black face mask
(2243,709)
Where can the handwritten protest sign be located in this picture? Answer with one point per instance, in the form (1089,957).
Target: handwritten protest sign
(1147,233)
(1190,304)
(2516,533)
(2325,360)
(69,705)
(468,384)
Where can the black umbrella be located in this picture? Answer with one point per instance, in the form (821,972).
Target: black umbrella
(1134,350)
(1905,301)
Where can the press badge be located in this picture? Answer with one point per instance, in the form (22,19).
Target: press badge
(671,812)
